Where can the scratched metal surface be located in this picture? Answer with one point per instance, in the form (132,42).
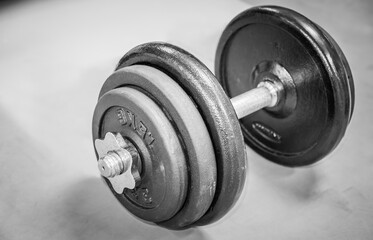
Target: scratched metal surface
(54,57)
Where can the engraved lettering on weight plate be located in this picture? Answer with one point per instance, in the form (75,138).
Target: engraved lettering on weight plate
(142,195)
(129,119)
(121,116)
(146,196)
(266,132)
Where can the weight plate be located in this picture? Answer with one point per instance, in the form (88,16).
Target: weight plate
(282,45)
(163,186)
(217,111)
(191,129)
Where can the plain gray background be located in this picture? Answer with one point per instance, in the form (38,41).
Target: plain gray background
(54,57)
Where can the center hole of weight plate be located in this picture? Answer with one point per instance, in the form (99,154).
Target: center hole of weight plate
(276,73)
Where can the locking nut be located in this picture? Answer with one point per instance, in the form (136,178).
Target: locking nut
(116,162)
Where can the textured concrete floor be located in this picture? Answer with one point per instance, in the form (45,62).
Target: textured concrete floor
(54,57)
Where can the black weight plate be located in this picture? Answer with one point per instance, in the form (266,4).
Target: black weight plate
(323,102)
(163,186)
(217,111)
(189,126)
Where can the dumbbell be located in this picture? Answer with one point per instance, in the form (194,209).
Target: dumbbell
(170,141)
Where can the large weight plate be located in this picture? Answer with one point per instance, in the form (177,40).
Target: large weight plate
(164,179)
(217,111)
(274,40)
(189,126)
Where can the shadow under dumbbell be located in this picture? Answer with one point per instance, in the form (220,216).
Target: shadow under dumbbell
(300,183)
(9,3)
(92,212)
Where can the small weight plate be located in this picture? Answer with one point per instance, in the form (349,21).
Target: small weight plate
(217,112)
(282,45)
(163,186)
(189,126)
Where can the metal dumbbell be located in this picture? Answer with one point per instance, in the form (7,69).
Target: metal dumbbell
(170,142)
